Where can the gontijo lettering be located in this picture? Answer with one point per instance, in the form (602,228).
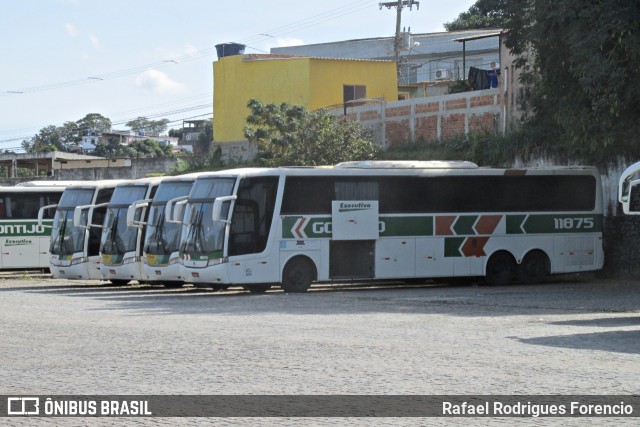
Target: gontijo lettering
(12,229)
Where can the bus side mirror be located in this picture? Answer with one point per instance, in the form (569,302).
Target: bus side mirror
(632,206)
(77,216)
(174,210)
(133,209)
(216,211)
(41,214)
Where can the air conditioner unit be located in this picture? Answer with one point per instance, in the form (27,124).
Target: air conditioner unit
(443,74)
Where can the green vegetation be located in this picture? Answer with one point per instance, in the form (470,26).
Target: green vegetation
(484,149)
(482,14)
(580,60)
(289,135)
(67,136)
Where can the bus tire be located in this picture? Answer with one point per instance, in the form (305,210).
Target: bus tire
(534,268)
(500,269)
(257,289)
(219,287)
(298,274)
(115,282)
(173,284)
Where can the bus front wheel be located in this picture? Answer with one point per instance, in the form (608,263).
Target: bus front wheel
(298,274)
(500,269)
(534,267)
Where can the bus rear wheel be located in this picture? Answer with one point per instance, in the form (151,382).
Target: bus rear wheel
(500,269)
(534,268)
(298,274)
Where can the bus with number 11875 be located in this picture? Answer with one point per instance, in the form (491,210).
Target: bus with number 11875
(390,220)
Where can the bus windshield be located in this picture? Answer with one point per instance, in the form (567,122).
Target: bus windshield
(163,238)
(204,236)
(65,238)
(117,238)
(73,197)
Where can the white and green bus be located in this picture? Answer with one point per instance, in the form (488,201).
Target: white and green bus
(75,237)
(629,190)
(161,245)
(391,220)
(24,243)
(122,237)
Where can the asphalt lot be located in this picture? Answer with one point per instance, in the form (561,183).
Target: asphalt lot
(574,335)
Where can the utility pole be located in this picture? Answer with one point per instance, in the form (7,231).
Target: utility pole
(399,5)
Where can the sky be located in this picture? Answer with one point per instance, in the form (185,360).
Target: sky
(63,59)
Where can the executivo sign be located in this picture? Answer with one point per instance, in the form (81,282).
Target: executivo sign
(355,219)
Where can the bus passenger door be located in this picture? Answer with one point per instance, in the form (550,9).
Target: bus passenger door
(250,260)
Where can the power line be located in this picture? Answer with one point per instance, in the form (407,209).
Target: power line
(204,53)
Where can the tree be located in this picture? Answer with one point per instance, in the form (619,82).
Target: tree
(579,60)
(482,14)
(94,122)
(144,126)
(290,135)
(205,138)
(64,137)
(112,148)
(583,71)
(47,139)
(151,148)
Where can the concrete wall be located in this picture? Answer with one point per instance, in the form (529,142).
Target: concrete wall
(139,168)
(429,119)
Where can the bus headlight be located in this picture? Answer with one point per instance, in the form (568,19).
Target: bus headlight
(76,261)
(217,261)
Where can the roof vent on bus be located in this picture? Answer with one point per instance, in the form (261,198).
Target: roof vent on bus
(408,164)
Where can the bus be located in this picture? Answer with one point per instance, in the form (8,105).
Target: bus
(160,249)
(24,243)
(121,244)
(391,220)
(629,190)
(75,238)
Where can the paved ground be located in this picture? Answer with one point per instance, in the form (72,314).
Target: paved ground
(571,336)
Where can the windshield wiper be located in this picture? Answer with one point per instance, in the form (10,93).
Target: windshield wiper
(113,246)
(194,232)
(158,235)
(58,244)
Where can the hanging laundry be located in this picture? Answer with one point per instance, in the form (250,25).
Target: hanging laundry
(478,78)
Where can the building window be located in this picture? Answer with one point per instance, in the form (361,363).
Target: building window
(353,92)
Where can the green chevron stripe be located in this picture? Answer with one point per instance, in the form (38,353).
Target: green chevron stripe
(464,225)
(452,246)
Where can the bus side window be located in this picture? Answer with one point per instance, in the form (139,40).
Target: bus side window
(252,216)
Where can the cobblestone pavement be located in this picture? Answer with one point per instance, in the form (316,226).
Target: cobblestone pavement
(570,336)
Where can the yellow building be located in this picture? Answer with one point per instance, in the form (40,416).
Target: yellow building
(311,82)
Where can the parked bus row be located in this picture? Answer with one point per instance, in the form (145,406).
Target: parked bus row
(356,221)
